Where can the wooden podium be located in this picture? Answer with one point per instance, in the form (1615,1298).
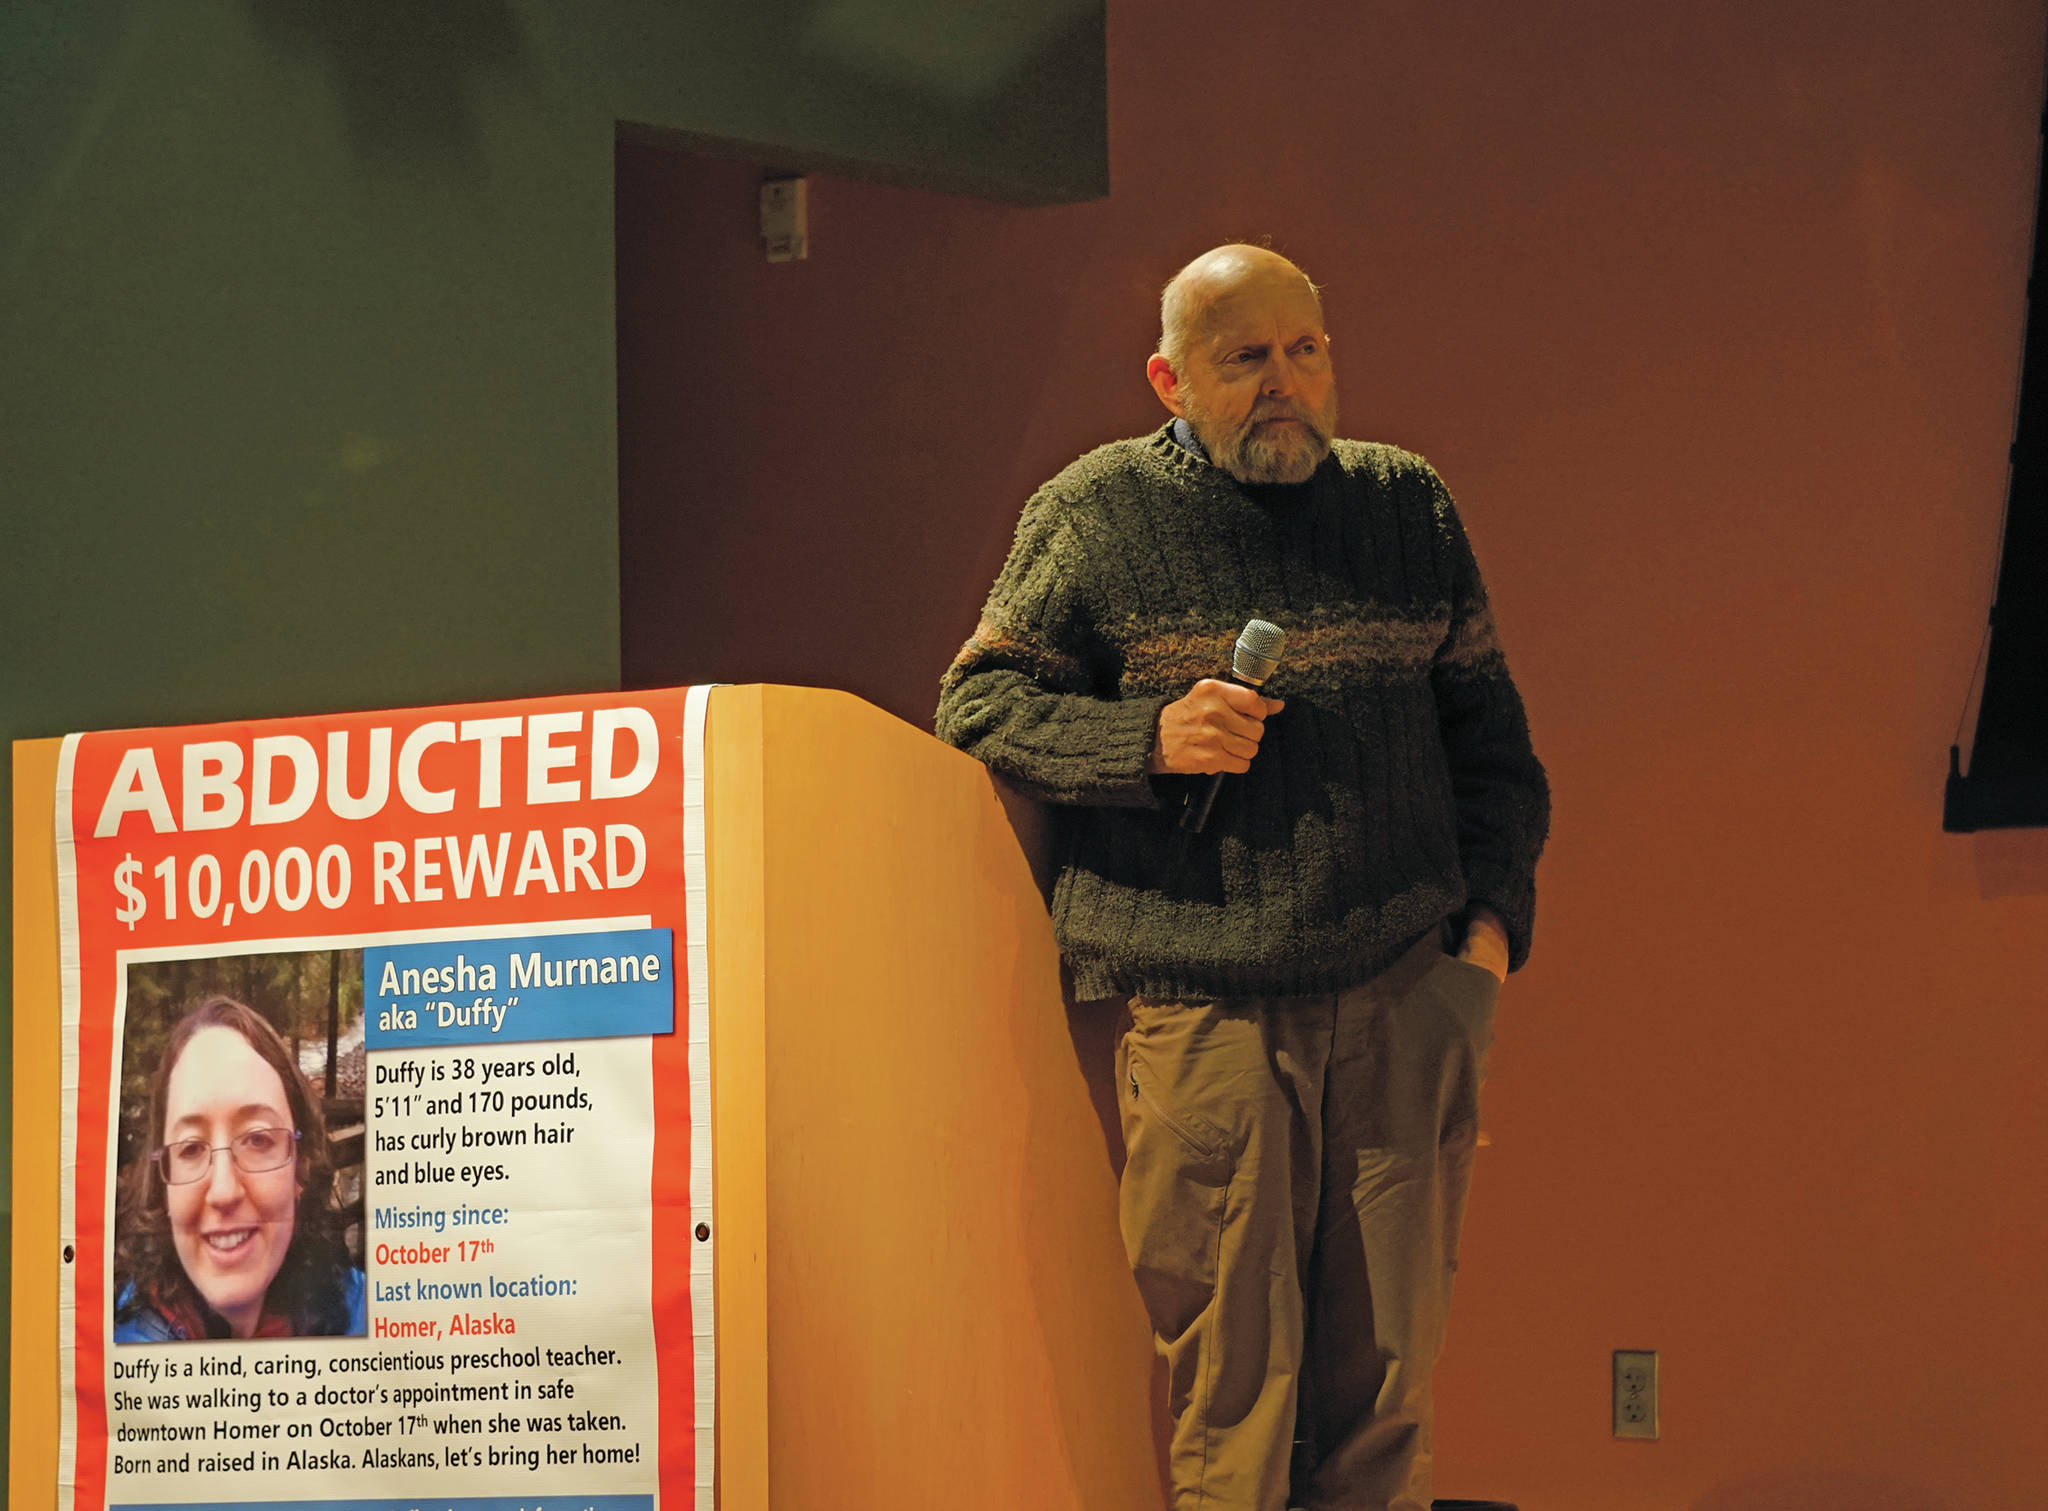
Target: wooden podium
(922,1297)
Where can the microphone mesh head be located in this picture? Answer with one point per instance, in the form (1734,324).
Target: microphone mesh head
(1258,651)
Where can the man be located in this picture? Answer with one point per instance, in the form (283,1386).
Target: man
(1300,1059)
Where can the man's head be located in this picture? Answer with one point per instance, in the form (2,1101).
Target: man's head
(1244,359)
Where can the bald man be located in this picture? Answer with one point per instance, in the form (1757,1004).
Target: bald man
(1305,984)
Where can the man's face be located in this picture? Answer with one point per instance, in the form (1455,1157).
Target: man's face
(1257,387)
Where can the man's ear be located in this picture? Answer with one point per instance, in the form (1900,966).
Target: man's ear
(1165,382)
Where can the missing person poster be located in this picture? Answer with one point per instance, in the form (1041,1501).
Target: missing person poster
(386,1104)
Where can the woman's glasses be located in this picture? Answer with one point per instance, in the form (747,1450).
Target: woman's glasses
(253,1151)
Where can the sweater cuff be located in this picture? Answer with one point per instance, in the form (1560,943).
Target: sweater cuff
(1512,898)
(1118,768)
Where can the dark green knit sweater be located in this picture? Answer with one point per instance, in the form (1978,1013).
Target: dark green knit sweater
(1396,786)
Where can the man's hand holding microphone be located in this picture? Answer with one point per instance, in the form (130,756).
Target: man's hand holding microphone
(1215,730)
(1216,727)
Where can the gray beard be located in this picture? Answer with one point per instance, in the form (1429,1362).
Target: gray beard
(1284,456)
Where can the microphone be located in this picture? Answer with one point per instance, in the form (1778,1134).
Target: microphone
(1255,658)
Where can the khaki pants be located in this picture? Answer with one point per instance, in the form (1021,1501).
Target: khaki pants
(1295,1174)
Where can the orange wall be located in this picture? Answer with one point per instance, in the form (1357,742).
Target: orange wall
(1710,316)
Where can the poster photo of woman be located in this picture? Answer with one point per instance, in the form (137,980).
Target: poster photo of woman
(240,1185)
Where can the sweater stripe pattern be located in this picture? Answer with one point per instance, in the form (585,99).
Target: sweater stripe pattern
(1397,786)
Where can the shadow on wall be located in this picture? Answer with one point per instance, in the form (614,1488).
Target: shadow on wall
(1813,1490)
(2010,862)
(401,71)
(962,55)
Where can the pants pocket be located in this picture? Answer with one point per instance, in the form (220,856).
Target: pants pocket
(1151,1103)
(1471,993)
(1170,1203)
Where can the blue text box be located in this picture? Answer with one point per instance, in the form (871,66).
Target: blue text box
(615,984)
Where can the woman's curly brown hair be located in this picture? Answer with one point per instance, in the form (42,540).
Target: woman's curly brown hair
(311,1285)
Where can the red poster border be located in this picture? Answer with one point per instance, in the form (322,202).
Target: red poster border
(92,965)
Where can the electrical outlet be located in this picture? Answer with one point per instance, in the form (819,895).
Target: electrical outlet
(1635,1393)
(786,219)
